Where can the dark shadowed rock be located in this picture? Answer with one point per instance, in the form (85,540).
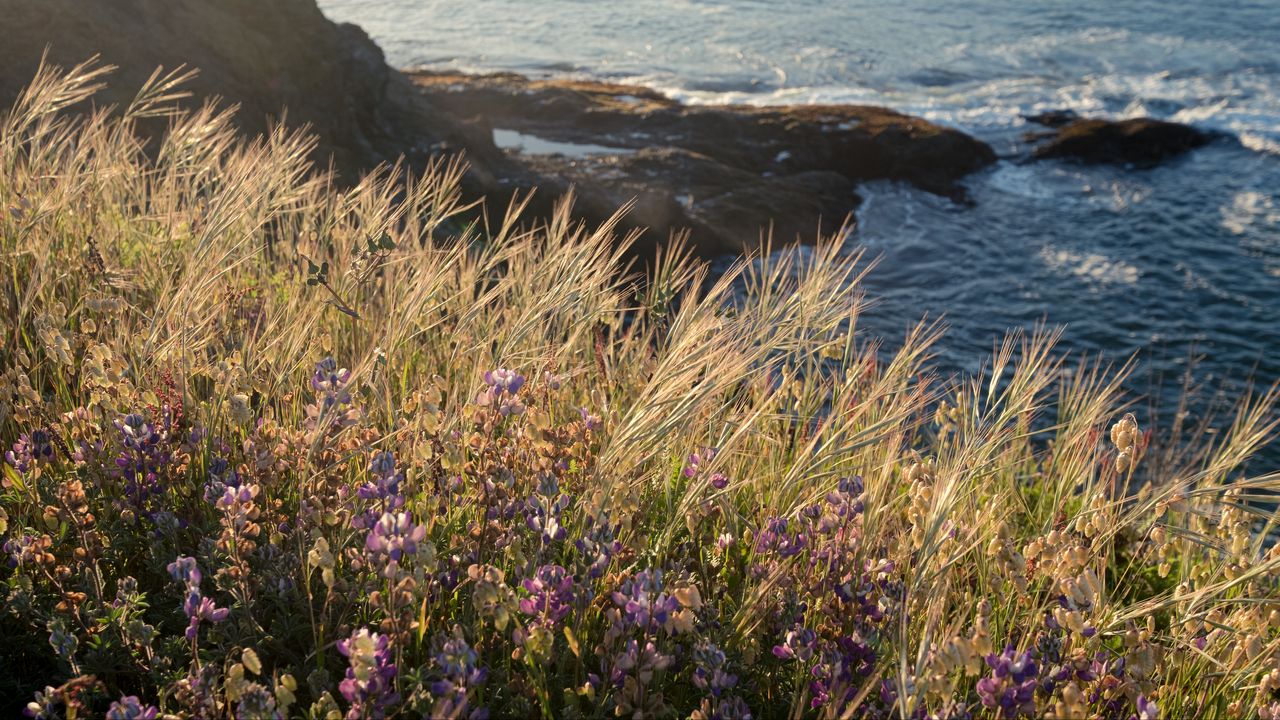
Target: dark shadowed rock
(265,56)
(1053,118)
(1139,141)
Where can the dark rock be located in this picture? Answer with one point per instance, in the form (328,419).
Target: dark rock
(1053,118)
(724,172)
(1140,141)
(859,142)
(267,57)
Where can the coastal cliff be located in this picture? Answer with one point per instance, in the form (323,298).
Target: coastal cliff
(726,174)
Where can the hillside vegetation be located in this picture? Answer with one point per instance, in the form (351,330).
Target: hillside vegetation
(277,449)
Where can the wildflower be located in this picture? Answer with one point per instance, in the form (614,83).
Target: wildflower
(597,546)
(199,608)
(131,708)
(31,448)
(220,477)
(643,602)
(798,644)
(503,387)
(551,595)
(709,672)
(195,606)
(504,381)
(143,453)
(543,510)
(457,664)
(185,571)
(634,669)
(29,549)
(1012,683)
(44,705)
(698,460)
(775,538)
(382,491)
(840,670)
(329,383)
(1147,710)
(590,421)
(393,537)
(368,685)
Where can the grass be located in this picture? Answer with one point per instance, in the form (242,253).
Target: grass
(285,449)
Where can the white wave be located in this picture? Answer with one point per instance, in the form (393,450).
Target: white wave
(1021,180)
(1249,208)
(1093,267)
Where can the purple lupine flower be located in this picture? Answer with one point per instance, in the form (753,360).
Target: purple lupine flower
(502,391)
(136,432)
(369,683)
(589,421)
(31,448)
(732,708)
(144,453)
(709,673)
(329,383)
(25,549)
(504,381)
(643,603)
(184,570)
(44,704)
(1012,683)
(394,536)
(698,460)
(199,608)
(843,504)
(597,546)
(551,595)
(458,666)
(131,708)
(382,491)
(543,511)
(638,662)
(775,538)
(195,606)
(221,477)
(798,644)
(1147,710)
(841,670)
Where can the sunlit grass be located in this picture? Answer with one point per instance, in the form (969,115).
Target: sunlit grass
(284,448)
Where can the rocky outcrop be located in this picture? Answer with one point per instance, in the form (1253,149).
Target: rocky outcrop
(724,172)
(1053,118)
(858,142)
(1139,141)
(265,56)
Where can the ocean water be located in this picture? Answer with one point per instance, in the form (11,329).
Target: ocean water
(1178,265)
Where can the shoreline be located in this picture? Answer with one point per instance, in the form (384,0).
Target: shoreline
(722,172)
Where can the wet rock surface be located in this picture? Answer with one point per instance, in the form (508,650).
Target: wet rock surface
(724,172)
(1139,141)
